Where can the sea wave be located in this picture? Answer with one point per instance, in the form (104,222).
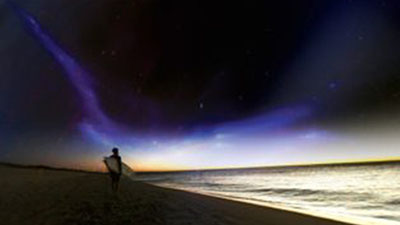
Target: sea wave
(363,192)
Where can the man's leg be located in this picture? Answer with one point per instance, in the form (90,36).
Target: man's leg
(113,182)
(117,177)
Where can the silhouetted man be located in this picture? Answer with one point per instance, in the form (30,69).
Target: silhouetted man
(115,176)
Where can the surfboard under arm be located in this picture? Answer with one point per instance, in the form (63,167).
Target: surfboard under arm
(112,166)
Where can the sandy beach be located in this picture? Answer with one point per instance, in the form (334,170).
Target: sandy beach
(45,196)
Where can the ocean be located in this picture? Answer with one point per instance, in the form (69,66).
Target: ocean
(361,194)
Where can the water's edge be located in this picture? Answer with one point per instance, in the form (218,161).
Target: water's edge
(344,219)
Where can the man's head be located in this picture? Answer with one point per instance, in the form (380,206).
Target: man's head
(115,151)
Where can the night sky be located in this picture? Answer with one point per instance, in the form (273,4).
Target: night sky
(199,84)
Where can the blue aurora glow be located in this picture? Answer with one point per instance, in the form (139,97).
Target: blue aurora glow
(255,135)
(96,124)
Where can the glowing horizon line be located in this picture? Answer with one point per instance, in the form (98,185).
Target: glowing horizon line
(302,164)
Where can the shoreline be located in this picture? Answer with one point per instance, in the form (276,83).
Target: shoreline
(43,196)
(320,215)
(271,206)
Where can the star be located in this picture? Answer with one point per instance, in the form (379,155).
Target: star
(333,85)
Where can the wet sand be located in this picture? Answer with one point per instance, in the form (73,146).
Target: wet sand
(45,196)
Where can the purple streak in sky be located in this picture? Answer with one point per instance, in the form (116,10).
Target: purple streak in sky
(97,126)
(96,122)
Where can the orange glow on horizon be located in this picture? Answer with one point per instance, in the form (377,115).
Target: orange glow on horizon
(170,168)
(98,165)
